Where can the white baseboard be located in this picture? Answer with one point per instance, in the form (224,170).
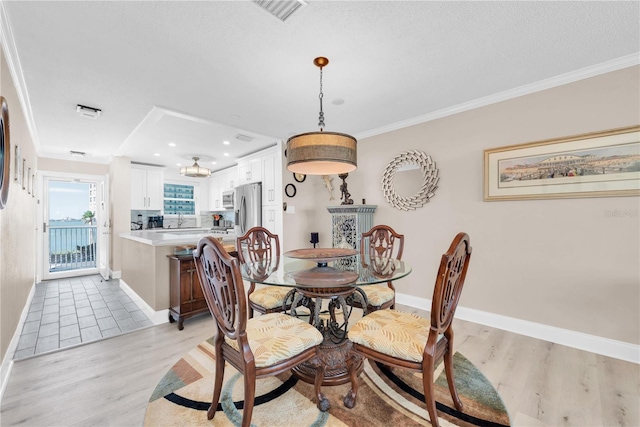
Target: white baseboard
(116,274)
(157,317)
(595,344)
(7,360)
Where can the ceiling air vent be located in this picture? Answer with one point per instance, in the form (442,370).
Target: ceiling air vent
(245,138)
(88,112)
(281,9)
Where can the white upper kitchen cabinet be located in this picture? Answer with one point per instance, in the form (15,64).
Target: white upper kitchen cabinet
(221,181)
(146,188)
(215,199)
(250,169)
(229,179)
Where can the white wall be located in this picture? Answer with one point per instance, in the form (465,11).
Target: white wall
(563,263)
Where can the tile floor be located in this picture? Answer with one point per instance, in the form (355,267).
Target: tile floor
(71,311)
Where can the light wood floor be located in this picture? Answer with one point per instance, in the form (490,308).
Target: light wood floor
(108,383)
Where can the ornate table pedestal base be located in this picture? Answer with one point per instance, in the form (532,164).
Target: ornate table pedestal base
(333,357)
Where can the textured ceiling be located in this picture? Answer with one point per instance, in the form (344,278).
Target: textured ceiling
(221,68)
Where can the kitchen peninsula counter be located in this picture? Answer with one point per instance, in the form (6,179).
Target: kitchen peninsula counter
(175,236)
(145,265)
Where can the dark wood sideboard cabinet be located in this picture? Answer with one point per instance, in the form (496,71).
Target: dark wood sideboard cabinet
(186,297)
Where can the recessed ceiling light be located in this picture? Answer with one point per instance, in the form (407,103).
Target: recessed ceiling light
(338,101)
(178,164)
(226,154)
(172,144)
(226,142)
(234,116)
(156,154)
(214,163)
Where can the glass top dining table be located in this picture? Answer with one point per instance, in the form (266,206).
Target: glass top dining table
(349,271)
(334,283)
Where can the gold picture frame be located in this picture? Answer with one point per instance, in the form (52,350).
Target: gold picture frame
(598,164)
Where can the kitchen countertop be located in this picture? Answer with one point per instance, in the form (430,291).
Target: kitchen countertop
(175,236)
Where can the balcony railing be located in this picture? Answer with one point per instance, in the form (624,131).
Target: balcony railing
(72,248)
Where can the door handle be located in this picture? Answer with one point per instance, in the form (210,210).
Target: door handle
(44,227)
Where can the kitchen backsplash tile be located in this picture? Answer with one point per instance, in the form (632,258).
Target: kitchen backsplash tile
(205,219)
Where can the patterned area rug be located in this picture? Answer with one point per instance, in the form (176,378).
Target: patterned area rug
(386,397)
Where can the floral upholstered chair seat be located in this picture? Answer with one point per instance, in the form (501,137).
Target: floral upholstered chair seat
(405,334)
(269,297)
(377,295)
(276,337)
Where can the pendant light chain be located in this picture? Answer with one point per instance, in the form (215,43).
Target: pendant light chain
(321,116)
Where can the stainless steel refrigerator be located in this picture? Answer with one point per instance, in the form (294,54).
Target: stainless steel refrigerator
(248,207)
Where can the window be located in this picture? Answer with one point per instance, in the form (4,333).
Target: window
(179,199)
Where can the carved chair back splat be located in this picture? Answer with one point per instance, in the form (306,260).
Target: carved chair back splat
(372,338)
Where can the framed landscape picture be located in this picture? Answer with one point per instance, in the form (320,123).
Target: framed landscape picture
(599,164)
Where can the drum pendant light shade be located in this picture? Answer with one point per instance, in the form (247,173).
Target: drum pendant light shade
(321,153)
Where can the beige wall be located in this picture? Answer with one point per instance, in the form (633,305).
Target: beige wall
(17,221)
(563,263)
(76,167)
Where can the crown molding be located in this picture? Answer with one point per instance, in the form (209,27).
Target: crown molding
(15,68)
(559,80)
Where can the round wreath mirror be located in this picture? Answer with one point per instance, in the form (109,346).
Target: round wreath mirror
(410,180)
(5,153)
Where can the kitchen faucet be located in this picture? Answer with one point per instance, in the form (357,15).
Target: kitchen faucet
(180,220)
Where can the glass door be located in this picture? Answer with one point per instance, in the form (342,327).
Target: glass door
(73,208)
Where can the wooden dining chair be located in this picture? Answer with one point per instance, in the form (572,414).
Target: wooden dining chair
(408,341)
(381,241)
(260,245)
(260,347)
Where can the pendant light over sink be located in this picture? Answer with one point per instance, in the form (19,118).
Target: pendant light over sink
(195,171)
(321,153)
